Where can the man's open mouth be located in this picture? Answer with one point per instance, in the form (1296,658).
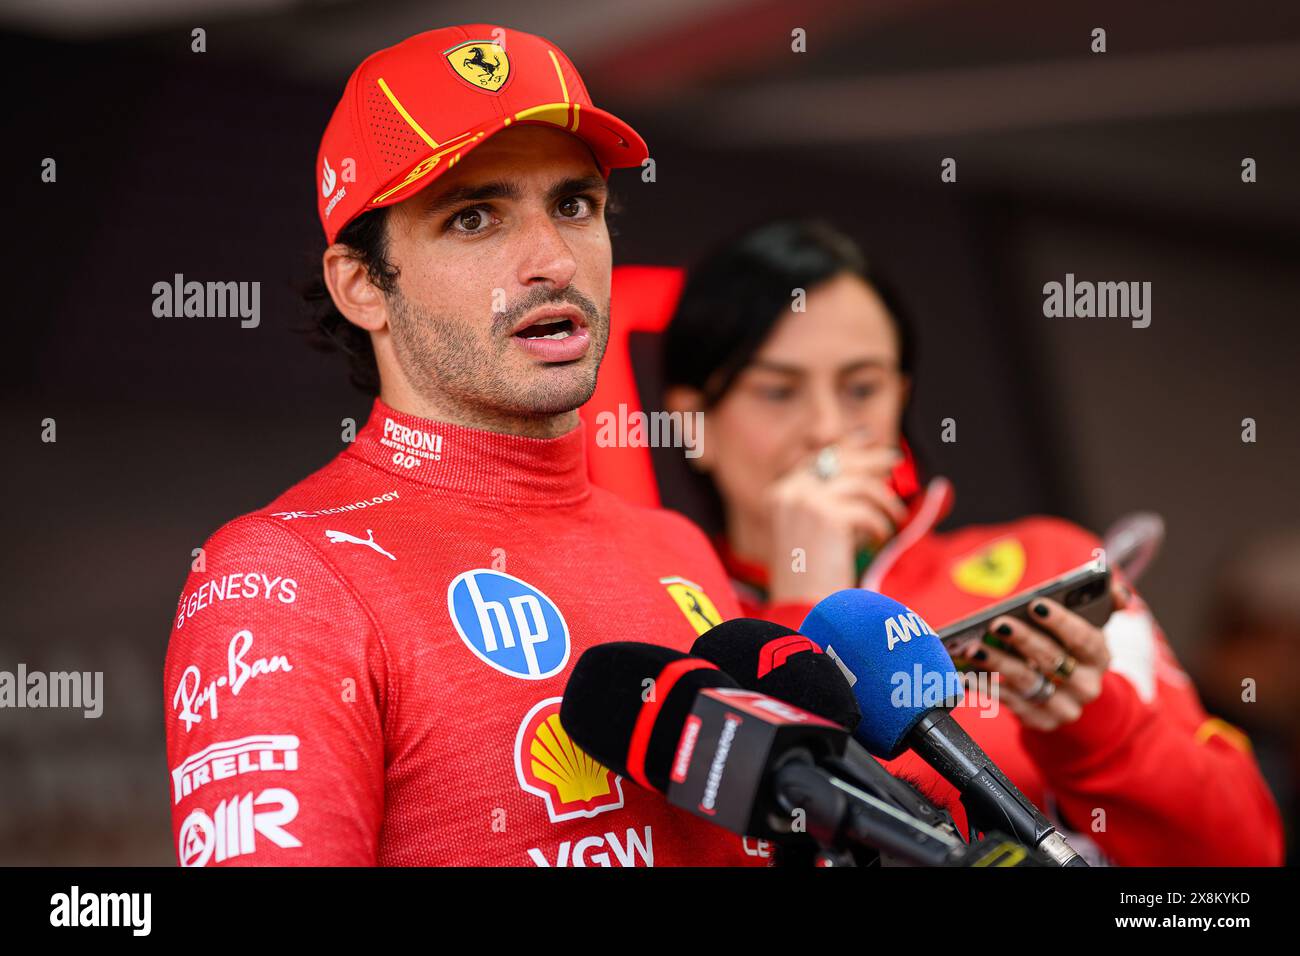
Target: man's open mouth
(557,328)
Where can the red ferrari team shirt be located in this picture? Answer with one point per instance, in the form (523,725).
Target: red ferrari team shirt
(369,669)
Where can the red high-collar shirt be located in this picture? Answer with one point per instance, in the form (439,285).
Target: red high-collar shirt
(368,670)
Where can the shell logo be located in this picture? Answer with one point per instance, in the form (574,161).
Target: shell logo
(550,765)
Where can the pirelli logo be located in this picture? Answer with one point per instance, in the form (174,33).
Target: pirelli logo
(232,758)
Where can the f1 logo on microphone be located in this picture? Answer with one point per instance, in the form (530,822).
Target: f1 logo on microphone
(509,625)
(777,651)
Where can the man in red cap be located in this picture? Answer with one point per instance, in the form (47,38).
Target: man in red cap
(368,670)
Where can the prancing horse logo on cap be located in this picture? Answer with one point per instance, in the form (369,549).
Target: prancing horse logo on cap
(481,63)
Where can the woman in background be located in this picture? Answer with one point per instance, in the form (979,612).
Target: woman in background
(801,361)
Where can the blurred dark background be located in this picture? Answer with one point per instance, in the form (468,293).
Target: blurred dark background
(1122,166)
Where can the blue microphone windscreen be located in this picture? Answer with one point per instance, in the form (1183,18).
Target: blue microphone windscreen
(895,663)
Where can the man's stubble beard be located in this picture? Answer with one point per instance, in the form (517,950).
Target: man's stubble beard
(449,368)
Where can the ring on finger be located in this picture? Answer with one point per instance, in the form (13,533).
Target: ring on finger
(1043,690)
(827,463)
(1064,668)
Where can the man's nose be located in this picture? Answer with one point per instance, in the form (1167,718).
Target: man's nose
(545,256)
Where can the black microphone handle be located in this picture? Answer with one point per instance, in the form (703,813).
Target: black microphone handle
(860,767)
(992,801)
(836,813)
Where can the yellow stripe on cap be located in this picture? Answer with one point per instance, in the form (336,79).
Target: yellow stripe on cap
(410,120)
(557,114)
(559,74)
(571,125)
(426,165)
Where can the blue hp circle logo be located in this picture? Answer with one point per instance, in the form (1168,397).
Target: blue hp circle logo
(509,624)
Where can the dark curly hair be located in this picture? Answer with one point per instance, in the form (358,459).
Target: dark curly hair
(734,298)
(367,239)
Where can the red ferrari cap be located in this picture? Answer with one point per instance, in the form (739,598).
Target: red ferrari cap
(411,111)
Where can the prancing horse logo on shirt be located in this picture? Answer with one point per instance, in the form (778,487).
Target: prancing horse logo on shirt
(342,537)
(994,571)
(693,602)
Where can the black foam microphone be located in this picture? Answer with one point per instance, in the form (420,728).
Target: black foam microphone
(741,759)
(775,660)
(626,703)
(782,663)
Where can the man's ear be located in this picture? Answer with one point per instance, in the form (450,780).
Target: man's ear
(354,295)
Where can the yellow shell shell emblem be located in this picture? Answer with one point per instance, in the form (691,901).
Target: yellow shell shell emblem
(481,63)
(558,761)
(692,602)
(993,572)
(550,765)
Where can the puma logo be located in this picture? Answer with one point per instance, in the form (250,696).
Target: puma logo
(342,537)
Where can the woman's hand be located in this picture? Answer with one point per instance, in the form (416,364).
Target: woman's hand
(1047,682)
(830,516)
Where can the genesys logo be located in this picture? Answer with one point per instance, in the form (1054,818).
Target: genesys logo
(192,694)
(633,848)
(260,753)
(241,586)
(234,828)
(550,765)
(509,625)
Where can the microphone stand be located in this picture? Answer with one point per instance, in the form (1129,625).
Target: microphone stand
(841,818)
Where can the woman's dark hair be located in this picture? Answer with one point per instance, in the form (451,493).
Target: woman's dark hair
(729,306)
(733,299)
(367,238)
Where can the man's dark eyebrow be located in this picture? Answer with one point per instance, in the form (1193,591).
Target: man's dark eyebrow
(493,189)
(502,189)
(577,184)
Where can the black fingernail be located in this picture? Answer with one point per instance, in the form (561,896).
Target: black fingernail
(1041,609)
(1004,629)
(981,655)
